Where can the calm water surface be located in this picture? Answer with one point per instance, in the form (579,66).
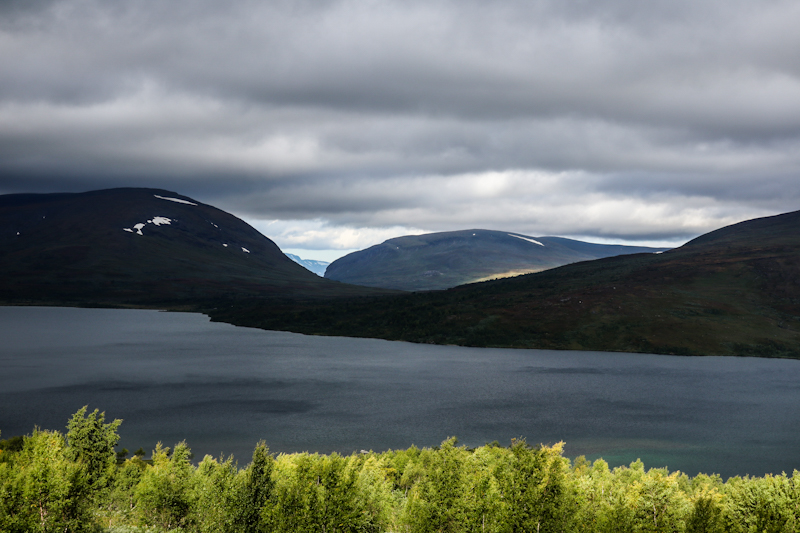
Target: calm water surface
(177,376)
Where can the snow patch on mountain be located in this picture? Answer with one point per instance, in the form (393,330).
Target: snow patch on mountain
(156,221)
(525,239)
(178,200)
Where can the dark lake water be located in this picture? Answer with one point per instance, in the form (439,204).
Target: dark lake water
(177,376)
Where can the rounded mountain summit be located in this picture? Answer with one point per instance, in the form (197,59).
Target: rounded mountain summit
(443,260)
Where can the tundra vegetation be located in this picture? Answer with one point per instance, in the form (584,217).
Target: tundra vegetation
(76,482)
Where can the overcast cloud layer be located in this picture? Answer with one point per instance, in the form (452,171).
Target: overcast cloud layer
(338,124)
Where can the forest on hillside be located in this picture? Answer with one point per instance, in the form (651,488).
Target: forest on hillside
(76,482)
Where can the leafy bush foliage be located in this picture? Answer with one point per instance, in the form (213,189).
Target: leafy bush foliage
(72,483)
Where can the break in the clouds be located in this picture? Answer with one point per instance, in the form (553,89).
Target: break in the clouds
(337,124)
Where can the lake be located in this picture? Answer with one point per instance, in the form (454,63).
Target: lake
(178,376)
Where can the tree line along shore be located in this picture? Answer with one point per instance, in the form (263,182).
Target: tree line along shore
(76,482)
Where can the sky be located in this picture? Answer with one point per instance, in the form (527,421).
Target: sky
(334,125)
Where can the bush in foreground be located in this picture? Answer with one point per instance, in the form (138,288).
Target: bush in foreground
(74,483)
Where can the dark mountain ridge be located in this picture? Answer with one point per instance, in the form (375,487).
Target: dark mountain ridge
(443,260)
(135,246)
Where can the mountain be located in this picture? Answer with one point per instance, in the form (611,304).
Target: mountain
(444,260)
(317,267)
(136,246)
(734,291)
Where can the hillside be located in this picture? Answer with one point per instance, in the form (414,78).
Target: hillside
(443,260)
(734,291)
(147,247)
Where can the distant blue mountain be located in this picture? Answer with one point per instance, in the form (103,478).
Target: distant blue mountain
(317,267)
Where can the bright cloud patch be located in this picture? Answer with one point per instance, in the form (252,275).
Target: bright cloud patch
(321,235)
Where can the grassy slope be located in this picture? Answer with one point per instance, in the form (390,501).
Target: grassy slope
(732,292)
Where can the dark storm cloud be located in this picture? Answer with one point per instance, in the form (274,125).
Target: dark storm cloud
(652,120)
